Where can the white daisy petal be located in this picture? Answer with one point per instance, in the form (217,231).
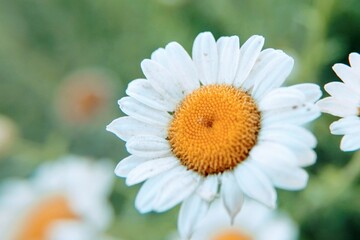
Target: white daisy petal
(182,67)
(142,90)
(348,75)
(336,108)
(350,142)
(176,190)
(228,51)
(311,91)
(249,52)
(255,184)
(146,197)
(127,164)
(300,115)
(282,174)
(287,134)
(150,169)
(205,56)
(127,127)
(341,93)
(272,75)
(295,138)
(281,98)
(288,178)
(160,56)
(305,156)
(346,125)
(143,113)
(161,80)
(354,59)
(148,146)
(148,194)
(232,196)
(273,153)
(208,188)
(192,211)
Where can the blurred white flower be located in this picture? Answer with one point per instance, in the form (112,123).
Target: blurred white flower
(64,200)
(254,222)
(215,125)
(345,103)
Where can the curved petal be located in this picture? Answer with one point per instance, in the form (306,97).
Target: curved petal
(150,169)
(147,196)
(228,50)
(183,68)
(305,156)
(272,75)
(162,80)
(311,91)
(176,190)
(231,194)
(255,184)
(273,153)
(143,113)
(299,115)
(337,108)
(142,90)
(346,125)
(287,134)
(205,56)
(350,142)
(249,53)
(284,175)
(148,146)
(208,188)
(127,127)
(354,59)
(348,75)
(127,164)
(281,98)
(192,211)
(342,93)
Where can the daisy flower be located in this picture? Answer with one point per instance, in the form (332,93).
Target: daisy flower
(215,125)
(254,222)
(64,200)
(345,103)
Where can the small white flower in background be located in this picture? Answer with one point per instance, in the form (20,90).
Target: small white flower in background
(64,200)
(254,222)
(215,125)
(345,103)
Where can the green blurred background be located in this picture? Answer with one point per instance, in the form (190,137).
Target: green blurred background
(49,49)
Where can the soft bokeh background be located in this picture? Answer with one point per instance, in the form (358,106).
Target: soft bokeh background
(64,64)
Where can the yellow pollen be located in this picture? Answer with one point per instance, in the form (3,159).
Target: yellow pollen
(47,212)
(232,235)
(214,128)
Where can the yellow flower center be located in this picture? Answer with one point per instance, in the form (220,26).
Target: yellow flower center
(40,218)
(232,235)
(214,128)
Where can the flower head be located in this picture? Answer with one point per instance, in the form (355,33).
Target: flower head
(84,95)
(57,202)
(345,103)
(215,125)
